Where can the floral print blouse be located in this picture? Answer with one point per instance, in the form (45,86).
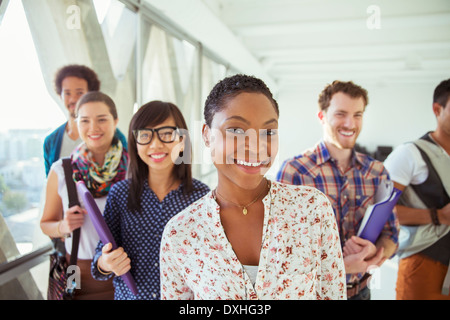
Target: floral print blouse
(300,257)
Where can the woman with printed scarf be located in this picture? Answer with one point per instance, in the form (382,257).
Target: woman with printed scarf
(100,161)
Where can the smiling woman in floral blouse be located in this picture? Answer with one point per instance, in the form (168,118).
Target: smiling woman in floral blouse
(250,238)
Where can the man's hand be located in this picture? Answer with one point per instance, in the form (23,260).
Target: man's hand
(360,254)
(444,214)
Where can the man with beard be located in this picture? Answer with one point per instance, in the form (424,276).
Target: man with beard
(71,82)
(350,180)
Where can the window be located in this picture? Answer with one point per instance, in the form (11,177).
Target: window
(24,123)
(39,37)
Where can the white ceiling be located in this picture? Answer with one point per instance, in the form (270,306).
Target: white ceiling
(299,43)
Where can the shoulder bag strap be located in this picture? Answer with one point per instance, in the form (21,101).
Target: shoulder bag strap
(73,200)
(433,187)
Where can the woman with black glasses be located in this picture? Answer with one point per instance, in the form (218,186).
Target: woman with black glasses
(160,185)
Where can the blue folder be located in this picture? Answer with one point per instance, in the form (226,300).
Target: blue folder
(102,229)
(377,215)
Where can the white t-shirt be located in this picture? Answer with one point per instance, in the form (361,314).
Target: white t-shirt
(406,165)
(68,145)
(252,272)
(88,235)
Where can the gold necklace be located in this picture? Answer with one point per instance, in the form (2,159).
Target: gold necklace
(244,208)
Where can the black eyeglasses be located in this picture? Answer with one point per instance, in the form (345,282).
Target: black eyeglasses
(164,134)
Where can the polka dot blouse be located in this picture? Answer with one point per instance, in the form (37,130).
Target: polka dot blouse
(140,234)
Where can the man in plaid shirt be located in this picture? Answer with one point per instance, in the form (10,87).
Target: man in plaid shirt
(350,180)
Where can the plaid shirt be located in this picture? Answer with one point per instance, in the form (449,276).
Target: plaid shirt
(350,192)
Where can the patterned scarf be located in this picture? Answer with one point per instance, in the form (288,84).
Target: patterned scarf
(99,180)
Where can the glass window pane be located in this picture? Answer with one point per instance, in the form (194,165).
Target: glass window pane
(118,26)
(30,109)
(157,80)
(24,123)
(212,72)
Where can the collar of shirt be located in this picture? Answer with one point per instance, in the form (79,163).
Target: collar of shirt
(169,195)
(323,155)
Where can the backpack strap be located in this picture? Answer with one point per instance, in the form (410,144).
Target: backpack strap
(73,201)
(432,191)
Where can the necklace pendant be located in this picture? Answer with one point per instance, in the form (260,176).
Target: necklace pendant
(244,211)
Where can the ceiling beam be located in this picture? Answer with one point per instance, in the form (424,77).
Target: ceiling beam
(409,63)
(363,74)
(357,49)
(341,25)
(249,12)
(350,38)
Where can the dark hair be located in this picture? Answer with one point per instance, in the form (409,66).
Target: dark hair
(151,114)
(229,88)
(79,71)
(97,96)
(349,88)
(442,93)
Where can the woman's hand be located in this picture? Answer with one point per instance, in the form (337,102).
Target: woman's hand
(73,219)
(116,261)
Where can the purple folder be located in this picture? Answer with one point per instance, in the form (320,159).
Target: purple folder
(102,229)
(376,217)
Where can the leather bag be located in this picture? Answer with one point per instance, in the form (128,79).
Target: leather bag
(58,275)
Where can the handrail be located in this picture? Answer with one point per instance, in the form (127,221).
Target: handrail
(12,269)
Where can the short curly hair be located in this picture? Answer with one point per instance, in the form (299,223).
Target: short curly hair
(79,71)
(336,86)
(229,88)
